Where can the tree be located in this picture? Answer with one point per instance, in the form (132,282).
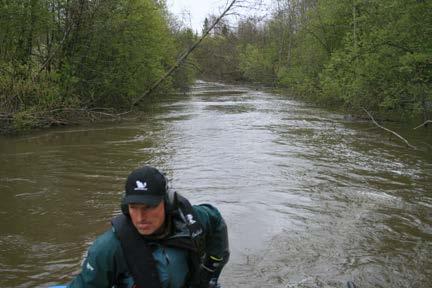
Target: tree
(58,55)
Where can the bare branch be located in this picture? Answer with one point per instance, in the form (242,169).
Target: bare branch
(423,124)
(54,53)
(194,66)
(89,111)
(388,130)
(183,57)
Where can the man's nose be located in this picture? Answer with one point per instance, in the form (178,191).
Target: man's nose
(143,213)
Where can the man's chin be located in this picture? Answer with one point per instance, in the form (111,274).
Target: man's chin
(145,232)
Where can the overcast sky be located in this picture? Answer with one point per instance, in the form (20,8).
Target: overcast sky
(193,12)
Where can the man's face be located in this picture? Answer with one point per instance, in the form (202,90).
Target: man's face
(147,219)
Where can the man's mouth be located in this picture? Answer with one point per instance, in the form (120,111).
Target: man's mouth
(144,225)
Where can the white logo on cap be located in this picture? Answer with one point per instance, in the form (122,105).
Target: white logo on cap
(141,186)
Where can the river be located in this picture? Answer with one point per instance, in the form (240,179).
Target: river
(311,199)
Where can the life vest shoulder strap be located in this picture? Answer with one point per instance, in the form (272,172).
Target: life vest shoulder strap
(137,253)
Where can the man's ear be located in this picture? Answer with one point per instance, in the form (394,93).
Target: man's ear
(170,201)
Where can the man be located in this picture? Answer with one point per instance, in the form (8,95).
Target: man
(160,240)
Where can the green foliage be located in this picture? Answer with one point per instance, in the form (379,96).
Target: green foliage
(81,53)
(185,75)
(387,64)
(375,54)
(256,65)
(17,93)
(25,120)
(121,48)
(218,58)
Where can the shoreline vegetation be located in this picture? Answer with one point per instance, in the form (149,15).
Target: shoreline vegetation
(64,62)
(354,55)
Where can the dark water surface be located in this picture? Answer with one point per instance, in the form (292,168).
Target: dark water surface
(311,200)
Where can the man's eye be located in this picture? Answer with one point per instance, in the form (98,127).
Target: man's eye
(145,208)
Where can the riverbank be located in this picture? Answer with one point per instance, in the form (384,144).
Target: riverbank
(39,118)
(349,113)
(26,121)
(29,121)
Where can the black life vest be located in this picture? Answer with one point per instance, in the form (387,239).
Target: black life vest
(138,254)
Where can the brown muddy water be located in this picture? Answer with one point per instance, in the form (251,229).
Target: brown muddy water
(311,199)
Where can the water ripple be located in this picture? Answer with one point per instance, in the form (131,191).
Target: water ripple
(311,199)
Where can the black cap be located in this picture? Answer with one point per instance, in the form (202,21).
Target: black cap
(145,185)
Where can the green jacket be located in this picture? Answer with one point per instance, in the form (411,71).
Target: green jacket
(105,265)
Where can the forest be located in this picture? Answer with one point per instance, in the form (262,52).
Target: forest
(62,60)
(66,59)
(359,54)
